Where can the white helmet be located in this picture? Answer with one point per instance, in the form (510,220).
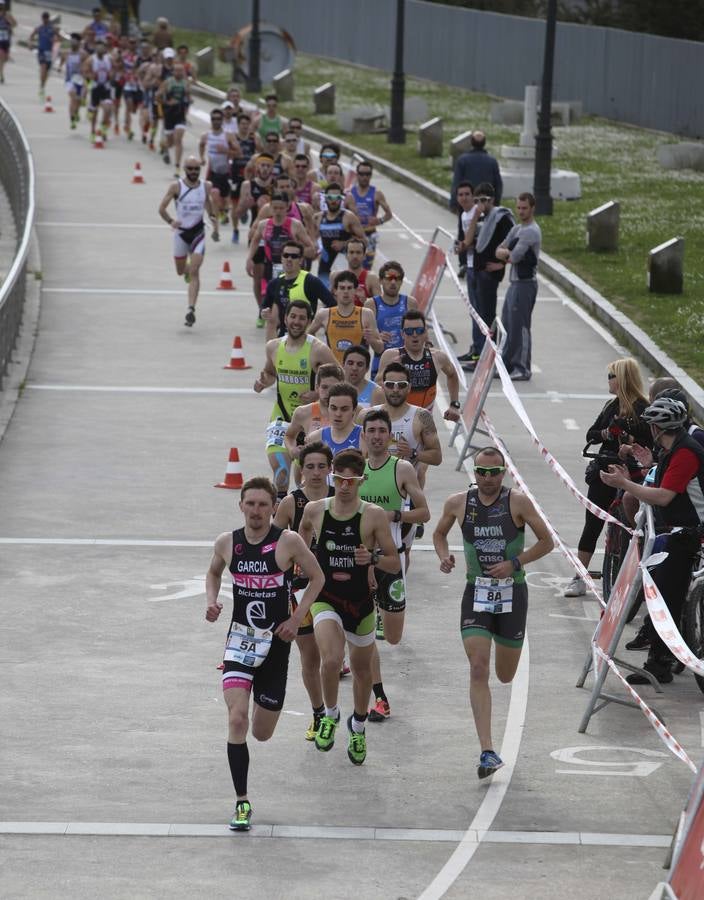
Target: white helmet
(666,413)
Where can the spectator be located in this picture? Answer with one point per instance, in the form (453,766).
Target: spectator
(619,422)
(163,34)
(476,166)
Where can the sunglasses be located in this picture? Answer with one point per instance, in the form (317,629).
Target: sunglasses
(272,140)
(419,330)
(301,165)
(328,155)
(333,196)
(290,256)
(396,385)
(348,480)
(484,199)
(489,470)
(364,173)
(610,376)
(392,276)
(192,168)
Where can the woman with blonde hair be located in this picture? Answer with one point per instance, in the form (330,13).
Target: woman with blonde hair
(617,424)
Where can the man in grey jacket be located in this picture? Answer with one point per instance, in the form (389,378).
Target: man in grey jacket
(475,167)
(521,248)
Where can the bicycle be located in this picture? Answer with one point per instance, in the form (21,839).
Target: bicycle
(693,612)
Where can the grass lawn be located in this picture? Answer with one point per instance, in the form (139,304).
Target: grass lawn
(615,163)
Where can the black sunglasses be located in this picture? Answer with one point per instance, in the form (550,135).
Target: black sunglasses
(290,256)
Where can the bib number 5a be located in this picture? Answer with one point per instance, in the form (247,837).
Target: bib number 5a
(248,646)
(493,595)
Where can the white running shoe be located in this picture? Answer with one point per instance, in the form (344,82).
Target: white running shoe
(576,588)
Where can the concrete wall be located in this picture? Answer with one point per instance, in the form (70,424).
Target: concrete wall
(637,78)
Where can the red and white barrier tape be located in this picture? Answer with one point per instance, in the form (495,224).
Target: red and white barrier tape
(665,625)
(518,478)
(668,740)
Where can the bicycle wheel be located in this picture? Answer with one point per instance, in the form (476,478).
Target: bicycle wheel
(615,549)
(693,624)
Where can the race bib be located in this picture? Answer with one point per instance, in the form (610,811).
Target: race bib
(247,646)
(275,432)
(77,79)
(493,595)
(277,269)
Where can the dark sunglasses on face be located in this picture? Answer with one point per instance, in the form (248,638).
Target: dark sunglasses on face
(420,329)
(290,256)
(489,470)
(193,168)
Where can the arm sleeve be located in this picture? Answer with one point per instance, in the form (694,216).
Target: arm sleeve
(683,467)
(600,423)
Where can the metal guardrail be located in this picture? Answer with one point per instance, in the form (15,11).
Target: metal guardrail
(17,179)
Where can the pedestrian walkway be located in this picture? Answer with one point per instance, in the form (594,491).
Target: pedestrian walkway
(111,706)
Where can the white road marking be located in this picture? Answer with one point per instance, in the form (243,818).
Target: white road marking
(116,389)
(134,542)
(332,832)
(592,610)
(176,292)
(570,424)
(91,225)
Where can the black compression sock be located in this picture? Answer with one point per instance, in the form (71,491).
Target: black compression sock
(378,690)
(238,758)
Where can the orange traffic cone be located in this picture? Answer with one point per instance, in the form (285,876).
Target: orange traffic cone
(226,278)
(137,177)
(237,360)
(47,105)
(98,143)
(233,472)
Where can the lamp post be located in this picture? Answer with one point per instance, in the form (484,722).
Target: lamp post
(397,133)
(543,141)
(253,82)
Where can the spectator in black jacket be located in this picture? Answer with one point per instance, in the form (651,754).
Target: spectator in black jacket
(475,167)
(618,423)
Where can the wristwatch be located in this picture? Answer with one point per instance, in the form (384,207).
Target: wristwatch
(414,455)
(397,515)
(455,404)
(516,563)
(375,557)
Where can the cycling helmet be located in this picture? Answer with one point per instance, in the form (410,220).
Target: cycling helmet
(675,394)
(666,413)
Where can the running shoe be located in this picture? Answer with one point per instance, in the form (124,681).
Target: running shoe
(116,128)
(190,316)
(380,711)
(314,726)
(260,322)
(576,588)
(489,762)
(243,218)
(165,156)
(242,817)
(73,124)
(345,670)
(152,146)
(130,135)
(325,736)
(379,627)
(235,236)
(92,137)
(216,236)
(223,218)
(356,745)
(144,138)
(187,277)
(641,641)
(420,530)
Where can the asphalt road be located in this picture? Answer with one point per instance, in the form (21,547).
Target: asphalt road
(114,777)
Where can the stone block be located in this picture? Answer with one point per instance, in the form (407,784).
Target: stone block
(283,85)
(430,138)
(460,144)
(685,155)
(368,119)
(507,112)
(415,110)
(666,267)
(205,60)
(324,99)
(602,227)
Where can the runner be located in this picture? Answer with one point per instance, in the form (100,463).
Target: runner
(291,364)
(495,599)
(42,38)
(132,91)
(96,30)
(73,60)
(296,125)
(272,146)
(367,200)
(423,364)
(302,212)
(253,195)
(260,558)
(192,197)
(351,536)
(219,147)
(98,68)
(346,325)
(355,363)
(367,282)
(247,145)
(311,416)
(8,23)
(305,186)
(390,482)
(390,307)
(174,94)
(269,120)
(292,284)
(342,433)
(275,233)
(335,226)
(316,466)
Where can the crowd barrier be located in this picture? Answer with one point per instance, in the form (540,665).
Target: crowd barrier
(17,179)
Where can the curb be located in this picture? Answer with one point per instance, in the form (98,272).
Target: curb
(29,327)
(623,328)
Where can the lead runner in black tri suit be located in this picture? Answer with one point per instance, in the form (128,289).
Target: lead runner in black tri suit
(261,559)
